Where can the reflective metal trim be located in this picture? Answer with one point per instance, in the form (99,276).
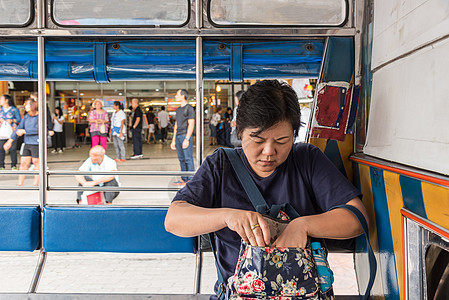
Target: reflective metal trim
(133,173)
(115,189)
(429,225)
(401,169)
(419,235)
(42,96)
(19,188)
(38,272)
(251,33)
(199,102)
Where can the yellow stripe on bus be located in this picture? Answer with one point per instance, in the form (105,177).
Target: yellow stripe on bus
(395,203)
(436,201)
(367,192)
(346,149)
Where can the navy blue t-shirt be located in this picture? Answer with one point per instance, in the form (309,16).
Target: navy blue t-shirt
(307,180)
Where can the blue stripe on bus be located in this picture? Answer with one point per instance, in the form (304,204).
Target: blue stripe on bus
(412,195)
(386,249)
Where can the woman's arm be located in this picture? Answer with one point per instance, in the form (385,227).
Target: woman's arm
(338,223)
(122,125)
(185,219)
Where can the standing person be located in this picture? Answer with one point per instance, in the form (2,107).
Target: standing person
(235,141)
(29,128)
(182,133)
(118,131)
(11,115)
(214,120)
(164,120)
(151,118)
(58,121)
(98,120)
(297,174)
(136,128)
(228,114)
(34,95)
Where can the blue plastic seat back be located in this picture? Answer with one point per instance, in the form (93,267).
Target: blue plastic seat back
(103,229)
(20,228)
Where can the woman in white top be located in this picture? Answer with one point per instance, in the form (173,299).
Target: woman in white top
(214,120)
(118,131)
(58,122)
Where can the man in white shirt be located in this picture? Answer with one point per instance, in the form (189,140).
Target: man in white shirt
(98,161)
(163,120)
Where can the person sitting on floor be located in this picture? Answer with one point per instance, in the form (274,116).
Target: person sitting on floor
(98,161)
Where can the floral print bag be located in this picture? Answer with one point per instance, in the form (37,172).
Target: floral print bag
(276,273)
(268,272)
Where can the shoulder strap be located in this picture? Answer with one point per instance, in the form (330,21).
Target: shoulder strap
(256,199)
(221,282)
(371,257)
(248,184)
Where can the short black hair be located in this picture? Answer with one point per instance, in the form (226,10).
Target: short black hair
(119,104)
(267,103)
(184,93)
(162,107)
(9,99)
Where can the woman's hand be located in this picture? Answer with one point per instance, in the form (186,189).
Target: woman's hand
(7,145)
(21,132)
(294,236)
(250,225)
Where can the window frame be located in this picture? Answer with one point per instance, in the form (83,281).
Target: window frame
(30,20)
(52,16)
(209,18)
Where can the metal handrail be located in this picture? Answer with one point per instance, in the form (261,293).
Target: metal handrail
(114,189)
(124,173)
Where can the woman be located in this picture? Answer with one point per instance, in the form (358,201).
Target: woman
(11,115)
(98,120)
(118,131)
(214,201)
(29,128)
(58,121)
(214,120)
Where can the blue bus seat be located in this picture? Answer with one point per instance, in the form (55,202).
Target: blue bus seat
(20,228)
(111,229)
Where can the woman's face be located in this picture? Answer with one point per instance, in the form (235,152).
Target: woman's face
(115,107)
(2,101)
(27,106)
(57,111)
(268,150)
(98,105)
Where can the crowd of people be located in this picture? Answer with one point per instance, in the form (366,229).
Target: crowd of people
(139,126)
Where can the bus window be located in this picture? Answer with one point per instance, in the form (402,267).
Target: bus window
(20,15)
(277,12)
(113,13)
